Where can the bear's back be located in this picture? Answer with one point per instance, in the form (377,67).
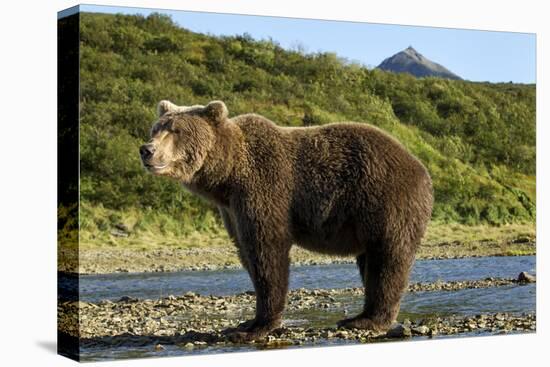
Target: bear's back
(347,149)
(335,157)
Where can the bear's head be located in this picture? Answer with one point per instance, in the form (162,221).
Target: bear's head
(181,139)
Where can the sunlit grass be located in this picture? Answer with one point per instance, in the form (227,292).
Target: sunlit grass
(145,231)
(438,233)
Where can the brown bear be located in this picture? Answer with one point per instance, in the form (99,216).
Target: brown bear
(339,189)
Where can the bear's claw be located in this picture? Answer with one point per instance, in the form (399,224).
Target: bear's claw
(250,330)
(245,336)
(360,322)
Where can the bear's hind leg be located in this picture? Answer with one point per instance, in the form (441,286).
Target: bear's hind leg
(386,276)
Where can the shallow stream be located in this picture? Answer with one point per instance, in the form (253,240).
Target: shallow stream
(416,305)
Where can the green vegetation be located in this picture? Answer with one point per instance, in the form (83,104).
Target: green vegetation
(147,229)
(476,139)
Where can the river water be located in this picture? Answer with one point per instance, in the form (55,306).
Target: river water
(415,305)
(94,288)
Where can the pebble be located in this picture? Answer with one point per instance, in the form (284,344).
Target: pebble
(399,331)
(127,299)
(525,277)
(344,334)
(421,330)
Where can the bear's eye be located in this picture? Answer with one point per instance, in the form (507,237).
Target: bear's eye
(176,131)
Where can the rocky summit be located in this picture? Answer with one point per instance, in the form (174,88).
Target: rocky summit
(412,62)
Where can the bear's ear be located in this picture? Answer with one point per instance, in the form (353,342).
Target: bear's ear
(216,111)
(165,106)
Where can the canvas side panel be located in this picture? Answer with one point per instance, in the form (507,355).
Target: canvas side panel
(68,184)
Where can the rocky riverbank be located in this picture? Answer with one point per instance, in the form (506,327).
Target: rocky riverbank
(205,336)
(104,260)
(195,321)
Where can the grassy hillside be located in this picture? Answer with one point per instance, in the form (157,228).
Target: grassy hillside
(476,139)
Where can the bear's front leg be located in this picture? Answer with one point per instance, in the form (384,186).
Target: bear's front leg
(268,263)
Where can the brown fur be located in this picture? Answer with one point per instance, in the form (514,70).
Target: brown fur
(342,189)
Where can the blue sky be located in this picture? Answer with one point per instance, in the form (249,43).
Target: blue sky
(473,55)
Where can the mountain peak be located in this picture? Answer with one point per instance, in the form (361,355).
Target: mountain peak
(413,62)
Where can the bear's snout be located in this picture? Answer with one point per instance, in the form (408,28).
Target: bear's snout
(146,151)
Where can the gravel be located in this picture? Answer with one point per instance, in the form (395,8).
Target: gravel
(195,321)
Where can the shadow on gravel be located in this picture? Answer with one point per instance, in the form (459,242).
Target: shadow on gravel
(130,340)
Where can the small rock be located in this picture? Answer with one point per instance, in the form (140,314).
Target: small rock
(326,334)
(127,299)
(522,239)
(525,277)
(118,233)
(399,331)
(189,345)
(159,347)
(122,227)
(421,330)
(342,334)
